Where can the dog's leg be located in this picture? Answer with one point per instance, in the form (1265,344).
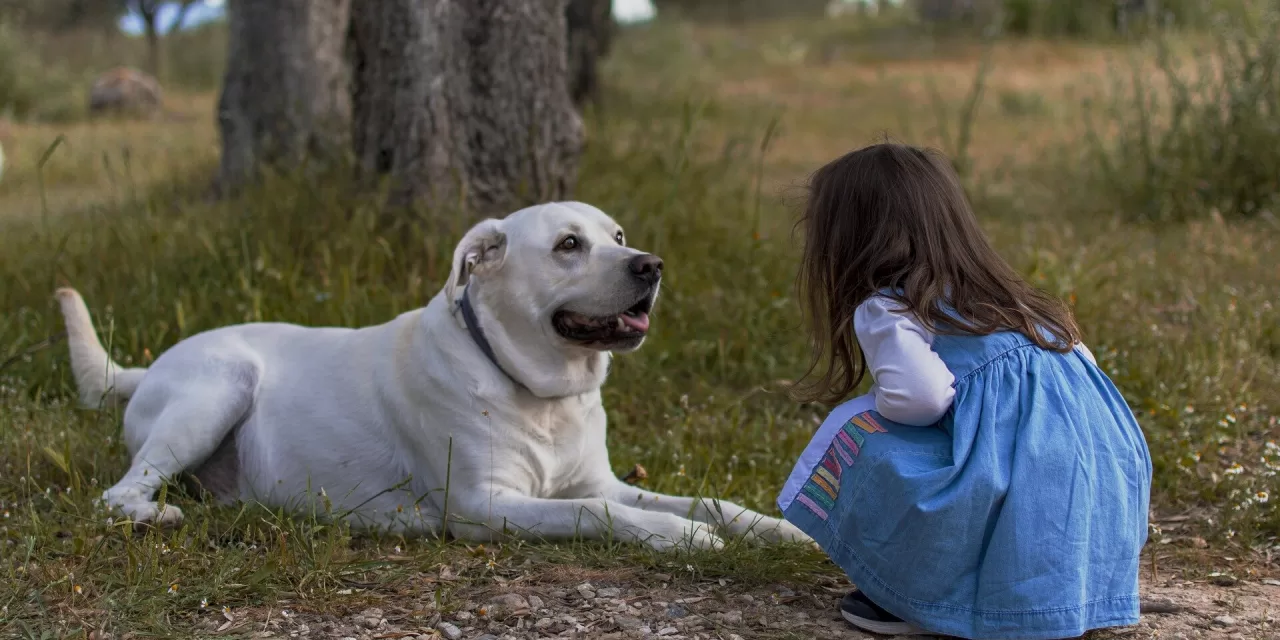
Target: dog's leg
(186,428)
(729,518)
(485,517)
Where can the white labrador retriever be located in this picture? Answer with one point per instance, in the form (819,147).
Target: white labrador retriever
(480,412)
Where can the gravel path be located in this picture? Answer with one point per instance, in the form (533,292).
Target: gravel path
(577,604)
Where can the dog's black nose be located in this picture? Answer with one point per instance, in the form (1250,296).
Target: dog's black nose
(647,267)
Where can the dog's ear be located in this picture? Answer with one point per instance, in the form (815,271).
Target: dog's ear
(481,250)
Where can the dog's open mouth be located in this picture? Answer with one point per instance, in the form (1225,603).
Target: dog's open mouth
(629,326)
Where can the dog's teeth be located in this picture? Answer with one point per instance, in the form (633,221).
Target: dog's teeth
(622,326)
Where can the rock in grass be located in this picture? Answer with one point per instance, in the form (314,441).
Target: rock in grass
(628,623)
(506,604)
(449,630)
(125,91)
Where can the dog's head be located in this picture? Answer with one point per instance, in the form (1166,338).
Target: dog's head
(556,285)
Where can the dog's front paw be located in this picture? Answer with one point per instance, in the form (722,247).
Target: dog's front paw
(685,535)
(154,514)
(771,530)
(700,536)
(145,512)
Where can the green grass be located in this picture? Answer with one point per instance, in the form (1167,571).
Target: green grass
(30,88)
(1182,316)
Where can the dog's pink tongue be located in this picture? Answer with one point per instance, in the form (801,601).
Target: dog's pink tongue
(639,322)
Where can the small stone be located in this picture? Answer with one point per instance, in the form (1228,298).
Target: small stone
(627,622)
(465,616)
(734,636)
(542,623)
(423,636)
(487,636)
(536,603)
(450,631)
(586,591)
(1224,621)
(507,604)
(676,611)
(609,592)
(729,617)
(645,630)
(744,598)
(662,577)
(668,631)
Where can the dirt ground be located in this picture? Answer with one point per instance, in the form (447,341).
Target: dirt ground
(582,604)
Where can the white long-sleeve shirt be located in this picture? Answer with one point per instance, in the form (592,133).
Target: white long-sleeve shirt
(912,385)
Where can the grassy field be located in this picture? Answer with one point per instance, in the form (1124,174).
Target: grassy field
(705,137)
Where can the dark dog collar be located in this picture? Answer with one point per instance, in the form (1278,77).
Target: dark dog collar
(477,334)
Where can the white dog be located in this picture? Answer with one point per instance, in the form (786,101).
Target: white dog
(480,412)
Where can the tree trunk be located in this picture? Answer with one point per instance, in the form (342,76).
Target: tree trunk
(590,35)
(153,44)
(184,8)
(285,96)
(465,102)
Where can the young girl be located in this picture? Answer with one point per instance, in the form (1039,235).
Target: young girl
(993,484)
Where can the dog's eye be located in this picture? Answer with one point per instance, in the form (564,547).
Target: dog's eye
(618,236)
(568,244)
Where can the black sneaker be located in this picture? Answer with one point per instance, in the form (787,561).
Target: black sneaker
(859,611)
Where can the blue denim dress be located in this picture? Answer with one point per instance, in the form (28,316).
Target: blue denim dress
(1021,514)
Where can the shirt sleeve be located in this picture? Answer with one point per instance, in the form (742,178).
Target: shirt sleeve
(912,384)
(1087,353)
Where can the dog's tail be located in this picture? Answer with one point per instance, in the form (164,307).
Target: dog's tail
(99,380)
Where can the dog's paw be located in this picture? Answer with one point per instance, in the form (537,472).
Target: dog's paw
(152,513)
(771,531)
(693,535)
(701,537)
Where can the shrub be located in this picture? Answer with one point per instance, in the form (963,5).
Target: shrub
(30,89)
(1201,135)
(194,59)
(1060,17)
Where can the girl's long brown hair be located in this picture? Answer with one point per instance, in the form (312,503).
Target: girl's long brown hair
(894,217)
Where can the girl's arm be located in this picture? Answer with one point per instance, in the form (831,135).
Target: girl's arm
(912,384)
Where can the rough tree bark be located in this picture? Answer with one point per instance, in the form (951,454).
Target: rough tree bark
(285,95)
(591,30)
(465,102)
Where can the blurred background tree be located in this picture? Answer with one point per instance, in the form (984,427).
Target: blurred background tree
(148,11)
(738,10)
